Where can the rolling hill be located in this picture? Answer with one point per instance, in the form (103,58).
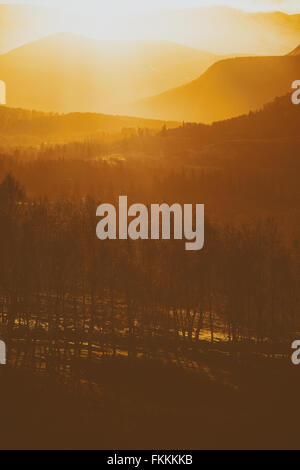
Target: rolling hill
(27,127)
(228,88)
(69,73)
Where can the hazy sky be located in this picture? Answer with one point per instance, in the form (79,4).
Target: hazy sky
(114,6)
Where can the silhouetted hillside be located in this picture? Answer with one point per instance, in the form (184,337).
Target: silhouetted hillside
(229,88)
(295,52)
(279,119)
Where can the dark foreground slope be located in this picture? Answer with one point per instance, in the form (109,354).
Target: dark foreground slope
(234,405)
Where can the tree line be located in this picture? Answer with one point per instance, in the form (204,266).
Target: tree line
(69,295)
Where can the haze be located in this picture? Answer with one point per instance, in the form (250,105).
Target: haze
(160,20)
(119,6)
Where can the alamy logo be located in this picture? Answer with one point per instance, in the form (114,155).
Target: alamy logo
(296,94)
(2,353)
(186,224)
(296,354)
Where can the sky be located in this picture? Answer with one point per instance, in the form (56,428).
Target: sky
(141,20)
(112,6)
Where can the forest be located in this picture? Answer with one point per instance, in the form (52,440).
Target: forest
(80,313)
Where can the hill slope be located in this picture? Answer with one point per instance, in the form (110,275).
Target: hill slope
(295,52)
(228,88)
(20,126)
(66,73)
(279,119)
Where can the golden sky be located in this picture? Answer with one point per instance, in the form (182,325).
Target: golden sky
(159,20)
(117,6)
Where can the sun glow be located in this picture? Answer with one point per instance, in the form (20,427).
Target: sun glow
(121,20)
(143,20)
(120,7)
(126,20)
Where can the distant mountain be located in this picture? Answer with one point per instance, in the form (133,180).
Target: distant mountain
(223,30)
(295,52)
(65,72)
(228,88)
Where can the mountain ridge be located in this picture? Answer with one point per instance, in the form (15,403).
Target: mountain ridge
(68,73)
(295,52)
(208,28)
(229,88)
